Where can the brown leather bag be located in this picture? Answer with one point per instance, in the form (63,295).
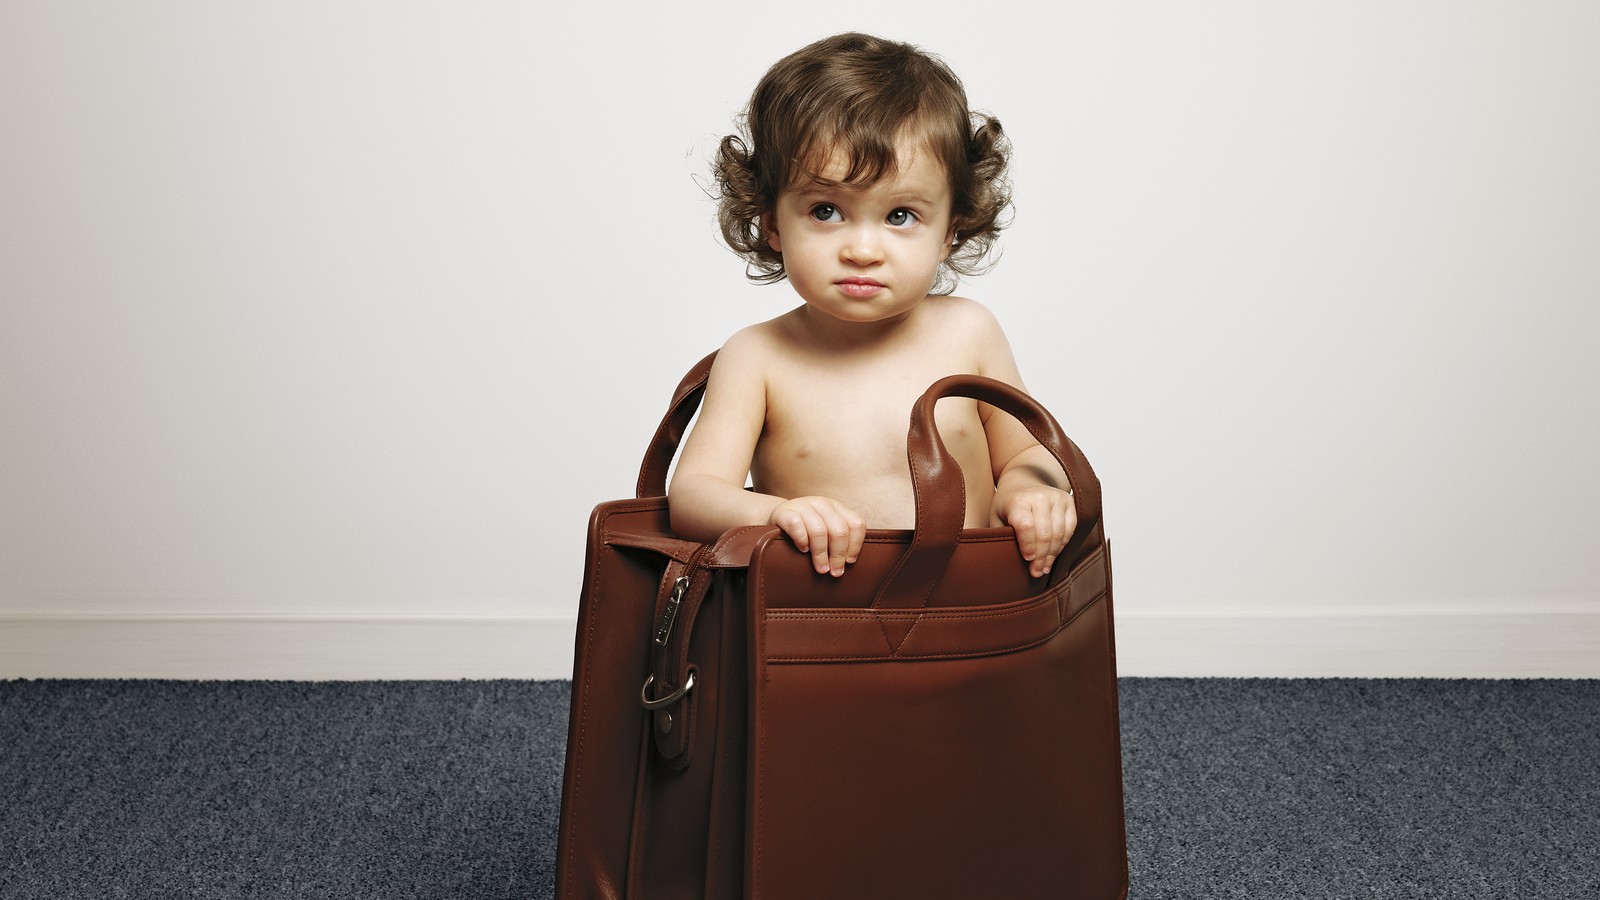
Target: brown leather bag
(933,724)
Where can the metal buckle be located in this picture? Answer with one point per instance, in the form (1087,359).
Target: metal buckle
(664,702)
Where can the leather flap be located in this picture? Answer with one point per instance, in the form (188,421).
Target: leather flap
(836,635)
(672,547)
(736,546)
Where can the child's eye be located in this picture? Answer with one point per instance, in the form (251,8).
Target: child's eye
(902,217)
(825,212)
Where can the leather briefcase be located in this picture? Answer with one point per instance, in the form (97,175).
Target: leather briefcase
(934,724)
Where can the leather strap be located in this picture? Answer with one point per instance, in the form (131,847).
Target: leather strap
(683,589)
(664,444)
(940,487)
(936,477)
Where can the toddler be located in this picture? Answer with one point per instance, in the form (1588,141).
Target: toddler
(863,179)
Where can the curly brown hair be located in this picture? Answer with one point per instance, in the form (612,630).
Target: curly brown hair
(861,95)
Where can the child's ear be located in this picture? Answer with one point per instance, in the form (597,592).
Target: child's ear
(949,243)
(769,228)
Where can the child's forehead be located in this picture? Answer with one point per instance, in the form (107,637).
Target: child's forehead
(833,164)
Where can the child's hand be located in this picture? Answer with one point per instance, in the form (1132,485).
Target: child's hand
(1044,518)
(823,527)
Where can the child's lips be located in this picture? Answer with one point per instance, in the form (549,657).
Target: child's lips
(859,287)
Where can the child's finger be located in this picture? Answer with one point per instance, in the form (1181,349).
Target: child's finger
(846,533)
(1054,541)
(794,525)
(830,533)
(1022,524)
(838,542)
(1064,522)
(1021,521)
(818,530)
(1044,538)
(858,536)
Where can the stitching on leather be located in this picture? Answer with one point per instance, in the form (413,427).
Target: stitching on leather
(708,560)
(1051,594)
(899,566)
(970,654)
(938,612)
(802,616)
(1013,648)
(719,822)
(583,720)
(1116,713)
(758,675)
(965,539)
(638,505)
(961,492)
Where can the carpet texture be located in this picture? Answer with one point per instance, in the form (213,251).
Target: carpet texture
(1235,788)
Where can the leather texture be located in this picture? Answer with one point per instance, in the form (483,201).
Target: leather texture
(935,724)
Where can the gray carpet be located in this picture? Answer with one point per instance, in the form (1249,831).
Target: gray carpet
(1253,788)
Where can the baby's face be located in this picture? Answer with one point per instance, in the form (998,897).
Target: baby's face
(864,254)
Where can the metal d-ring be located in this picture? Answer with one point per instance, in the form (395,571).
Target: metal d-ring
(668,700)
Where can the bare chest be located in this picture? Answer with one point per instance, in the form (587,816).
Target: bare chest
(842,435)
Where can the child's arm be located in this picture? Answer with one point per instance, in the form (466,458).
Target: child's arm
(1031,491)
(707,495)
(1032,496)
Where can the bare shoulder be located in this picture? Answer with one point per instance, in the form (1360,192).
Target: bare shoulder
(745,352)
(979,330)
(731,412)
(962,311)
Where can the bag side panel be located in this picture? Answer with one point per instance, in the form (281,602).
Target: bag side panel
(607,724)
(677,816)
(1116,719)
(725,857)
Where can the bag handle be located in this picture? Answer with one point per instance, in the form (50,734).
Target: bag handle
(937,481)
(664,444)
(940,487)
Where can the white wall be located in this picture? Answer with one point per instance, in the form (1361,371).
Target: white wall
(323,326)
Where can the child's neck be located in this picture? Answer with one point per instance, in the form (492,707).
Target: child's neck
(826,332)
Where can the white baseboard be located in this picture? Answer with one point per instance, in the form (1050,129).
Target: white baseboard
(285,647)
(1561,643)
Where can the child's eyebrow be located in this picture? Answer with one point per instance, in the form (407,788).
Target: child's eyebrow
(811,181)
(820,186)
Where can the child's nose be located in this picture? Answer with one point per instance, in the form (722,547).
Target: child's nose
(862,245)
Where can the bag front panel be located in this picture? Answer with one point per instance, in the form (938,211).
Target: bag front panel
(801,634)
(994,774)
(986,568)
